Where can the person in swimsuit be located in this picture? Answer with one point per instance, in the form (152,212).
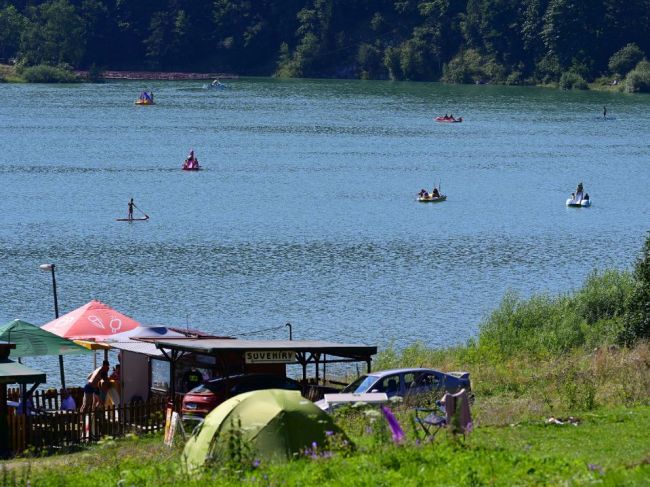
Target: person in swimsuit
(92,388)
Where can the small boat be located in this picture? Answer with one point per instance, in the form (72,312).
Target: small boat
(579,200)
(145,98)
(191,163)
(216,85)
(449,119)
(425,197)
(432,199)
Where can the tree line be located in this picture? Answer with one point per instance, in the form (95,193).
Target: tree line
(461,41)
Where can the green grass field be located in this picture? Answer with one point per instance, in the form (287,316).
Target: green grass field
(606,447)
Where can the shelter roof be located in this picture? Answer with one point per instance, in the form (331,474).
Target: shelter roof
(14,373)
(212,346)
(145,348)
(33,341)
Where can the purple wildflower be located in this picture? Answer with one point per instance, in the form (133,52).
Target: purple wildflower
(396,429)
(329,433)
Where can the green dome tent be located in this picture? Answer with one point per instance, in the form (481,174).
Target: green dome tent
(275,423)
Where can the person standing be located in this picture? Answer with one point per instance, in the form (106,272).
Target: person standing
(604,112)
(92,388)
(131,206)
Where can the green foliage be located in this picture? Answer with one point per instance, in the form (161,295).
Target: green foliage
(625,59)
(570,80)
(637,315)
(471,67)
(369,61)
(607,447)
(12,23)
(638,80)
(546,326)
(44,73)
(54,35)
(95,74)
(500,41)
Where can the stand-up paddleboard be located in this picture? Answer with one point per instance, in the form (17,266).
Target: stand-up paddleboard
(144,218)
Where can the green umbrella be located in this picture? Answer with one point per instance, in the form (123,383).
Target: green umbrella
(276,424)
(33,341)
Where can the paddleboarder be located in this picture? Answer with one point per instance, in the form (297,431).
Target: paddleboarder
(605,112)
(131,206)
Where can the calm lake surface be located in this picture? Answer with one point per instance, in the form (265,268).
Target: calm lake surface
(306,209)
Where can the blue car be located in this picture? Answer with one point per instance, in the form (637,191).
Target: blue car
(407,382)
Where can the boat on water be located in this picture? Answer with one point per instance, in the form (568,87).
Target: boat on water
(450,119)
(216,85)
(145,98)
(434,197)
(191,163)
(579,200)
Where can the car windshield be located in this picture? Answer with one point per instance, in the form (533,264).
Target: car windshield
(362,384)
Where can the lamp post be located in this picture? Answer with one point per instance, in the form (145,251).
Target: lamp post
(45,268)
(290,331)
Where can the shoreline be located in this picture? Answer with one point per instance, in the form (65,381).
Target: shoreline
(158,75)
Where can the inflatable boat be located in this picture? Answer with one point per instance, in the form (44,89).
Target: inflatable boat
(449,119)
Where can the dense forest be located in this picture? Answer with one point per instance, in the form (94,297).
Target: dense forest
(461,41)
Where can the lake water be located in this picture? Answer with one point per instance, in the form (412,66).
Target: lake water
(306,209)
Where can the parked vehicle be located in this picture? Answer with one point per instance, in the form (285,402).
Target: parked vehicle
(202,399)
(407,382)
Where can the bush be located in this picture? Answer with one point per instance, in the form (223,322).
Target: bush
(637,315)
(624,60)
(638,80)
(95,74)
(470,67)
(44,73)
(572,81)
(548,326)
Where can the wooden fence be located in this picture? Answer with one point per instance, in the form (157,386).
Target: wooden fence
(47,399)
(54,429)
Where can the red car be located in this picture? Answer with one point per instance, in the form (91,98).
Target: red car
(202,399)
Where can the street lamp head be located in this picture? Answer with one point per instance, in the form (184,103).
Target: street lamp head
(46,267)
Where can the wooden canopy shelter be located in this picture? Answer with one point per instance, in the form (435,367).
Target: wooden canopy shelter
(233,354)
(13,373)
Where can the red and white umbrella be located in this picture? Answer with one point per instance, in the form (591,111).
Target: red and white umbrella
(93,321)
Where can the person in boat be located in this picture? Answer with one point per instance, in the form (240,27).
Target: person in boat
(579,188)
(131,206)
(446,117)
(586,198)
(435,193)
(451,116)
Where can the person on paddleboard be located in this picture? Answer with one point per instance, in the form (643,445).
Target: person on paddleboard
(131,206)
